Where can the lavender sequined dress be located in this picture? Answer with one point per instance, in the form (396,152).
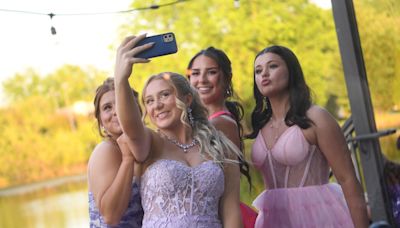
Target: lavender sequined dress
(176,195)
(132,217)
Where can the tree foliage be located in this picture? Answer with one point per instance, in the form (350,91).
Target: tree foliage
(379,28)
(42,136)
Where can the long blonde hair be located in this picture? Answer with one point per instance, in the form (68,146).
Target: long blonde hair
(213,143)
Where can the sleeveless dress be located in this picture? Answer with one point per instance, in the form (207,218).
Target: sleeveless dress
(248,214)
(131,219)
(296,175)
(175,195)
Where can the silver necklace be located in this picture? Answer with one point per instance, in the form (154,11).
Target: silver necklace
(276,130)
(184,147)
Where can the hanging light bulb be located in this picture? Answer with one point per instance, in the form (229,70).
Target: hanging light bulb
(52,29)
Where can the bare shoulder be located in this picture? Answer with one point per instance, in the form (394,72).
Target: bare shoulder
(105,147)
(103,164)
(228,127)
(105,151)
(326,129)
(224,123)
(320,117)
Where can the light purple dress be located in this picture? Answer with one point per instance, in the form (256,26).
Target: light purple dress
(132,217)
(296,176)
(176,195)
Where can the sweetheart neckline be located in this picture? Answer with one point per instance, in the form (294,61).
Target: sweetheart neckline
(181,163)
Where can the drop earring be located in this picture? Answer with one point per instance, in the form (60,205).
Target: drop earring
(190,116)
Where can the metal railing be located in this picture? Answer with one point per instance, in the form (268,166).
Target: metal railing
(353,144)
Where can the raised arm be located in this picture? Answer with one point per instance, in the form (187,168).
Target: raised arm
(333,145)
(127,107)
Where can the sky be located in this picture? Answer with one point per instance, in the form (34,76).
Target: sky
(26,40)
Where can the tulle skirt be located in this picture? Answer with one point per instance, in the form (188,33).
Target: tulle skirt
(311,207)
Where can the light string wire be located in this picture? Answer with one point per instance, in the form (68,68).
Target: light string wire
(51,15)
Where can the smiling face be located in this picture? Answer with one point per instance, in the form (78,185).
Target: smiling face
(108,115)
(159,100)
(271,74)
(206,77)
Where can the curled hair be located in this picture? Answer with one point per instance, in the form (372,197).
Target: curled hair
(213,144)
(108,85)
(299,95)
(234,107)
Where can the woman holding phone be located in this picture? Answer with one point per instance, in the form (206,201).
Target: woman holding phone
(190,168)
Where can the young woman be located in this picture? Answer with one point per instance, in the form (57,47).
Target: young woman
(114,199)
(295,144)
(210,73)
(190,168)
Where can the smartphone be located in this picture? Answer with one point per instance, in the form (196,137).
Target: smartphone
(164,44)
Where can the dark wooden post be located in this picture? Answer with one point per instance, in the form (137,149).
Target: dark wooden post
(361,108)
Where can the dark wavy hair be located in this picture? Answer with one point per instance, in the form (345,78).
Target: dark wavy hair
(233,107)
(107,85)
(299,95)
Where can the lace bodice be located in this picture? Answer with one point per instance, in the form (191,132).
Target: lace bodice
(177,195)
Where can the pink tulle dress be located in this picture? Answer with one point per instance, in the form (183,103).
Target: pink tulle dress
(296,176)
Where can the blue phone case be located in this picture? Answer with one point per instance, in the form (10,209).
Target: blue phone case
(164,44)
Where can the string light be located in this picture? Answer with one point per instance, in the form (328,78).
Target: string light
(51,15)
(52,29)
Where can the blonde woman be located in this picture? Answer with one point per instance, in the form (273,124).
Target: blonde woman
(190,169)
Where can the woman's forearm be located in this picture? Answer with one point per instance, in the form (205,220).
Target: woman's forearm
(115,200)
(356,203)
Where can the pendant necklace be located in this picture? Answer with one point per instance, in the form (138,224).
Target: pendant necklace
(276,130)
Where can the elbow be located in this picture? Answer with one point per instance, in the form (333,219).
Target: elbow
(112,220)
(111,217)
(347,180)
(140,158)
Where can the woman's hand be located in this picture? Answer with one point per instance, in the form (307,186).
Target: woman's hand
(126,56)
(127,155)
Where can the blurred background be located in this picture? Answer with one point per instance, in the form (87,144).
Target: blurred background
(48,81)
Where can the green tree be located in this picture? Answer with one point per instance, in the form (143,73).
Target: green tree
(65,85)
(42,136)
(380,40)
(242,32)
